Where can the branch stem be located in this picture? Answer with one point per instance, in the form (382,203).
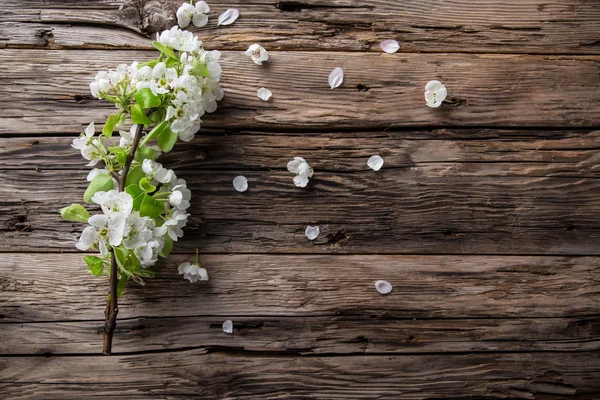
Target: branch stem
(112,307)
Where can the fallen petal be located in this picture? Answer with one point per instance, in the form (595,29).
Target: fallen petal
(240,183)
(375,162)
(228,326)
(228,17)
(336,77)
(390,46)
(383,287)
(312,232)
(264,94)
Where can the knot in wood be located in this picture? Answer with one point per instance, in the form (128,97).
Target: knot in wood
(157,15)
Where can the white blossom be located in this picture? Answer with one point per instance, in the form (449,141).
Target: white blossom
(257,53)
(383,287)
(148,253)
(375,162)
(89,146)
(264,94)
(228,326)
(390,46)
(180,40)
(175,224)
(138,230)
(240,183)
(228,17)
(180,197)
(156,173)
(197,15)
(114,201)
(104,230)
(336,77)
(303,171)
(312,232)
(127,137)
(192,272)
(435,93)
(160,81)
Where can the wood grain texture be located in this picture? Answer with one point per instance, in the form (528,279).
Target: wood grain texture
(506,26)
(39,287)
(231,376)
(307,335)
(397,210)
(49,92)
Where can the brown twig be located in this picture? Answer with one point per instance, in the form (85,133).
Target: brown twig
(112,307)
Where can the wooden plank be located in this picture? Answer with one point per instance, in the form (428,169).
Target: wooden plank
(40,287)
(505,26)
(49,91)
(228,376)
(397,210)
(495,152)
(307,335)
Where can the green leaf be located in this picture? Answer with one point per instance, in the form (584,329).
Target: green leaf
(122,158)
(145,98)
(166,140)
(146,205)
(121,285)
(138,116)
(146,186)
(110,124)
(157,116)
(146,273)
(168,246)
(101,183)
(158,130)
(75,213)
(164,49)
(122,118)
(134,176)
(151,64)
(199,69)
(145,152)
(95,263)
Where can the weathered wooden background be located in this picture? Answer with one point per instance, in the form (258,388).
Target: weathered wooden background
(485,217)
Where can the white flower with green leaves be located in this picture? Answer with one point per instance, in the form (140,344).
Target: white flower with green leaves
(104,231)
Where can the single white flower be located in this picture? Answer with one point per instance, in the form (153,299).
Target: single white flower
(383,287)
(192,272)
(148,253)
(228,326)
(303,171)
(228,17)
(114,201)
(336,77)
(104,230)
(375,162)
(312,232)
(390,46)
(264,94)
(101,83)
(257,53)
(197,15)
(175,224)
(88,145)
(138,230)
(180,197)
(435,93)
(127,137)
(240,183)
(155,172)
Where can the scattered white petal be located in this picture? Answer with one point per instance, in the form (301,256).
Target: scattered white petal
(435,93)
(240,183)
(336,77)
(312,232)
(375,162)
(257,53)
(390,46)
(383,287)
(228,326)
(228,17)
(264,94)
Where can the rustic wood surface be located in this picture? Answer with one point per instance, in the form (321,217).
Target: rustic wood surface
(485,216)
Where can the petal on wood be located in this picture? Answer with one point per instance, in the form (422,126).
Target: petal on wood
(383,287)
(240,183)
(228,17)
(390,46)
(228,326)
(264,94)
(336,77)
(312,232)
(375,162)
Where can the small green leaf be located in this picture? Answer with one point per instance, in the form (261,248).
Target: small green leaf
(166,140)
(145,98)
(146,205)
(145,152)
(158,129)
(164,49)
(134,176)
(122,158)
(110,124)
(146,186)
(100,183)
(121,285)
(157,115)
(95,263)
(151,64)
(138,116)
(168,247)
(146,273)
(122,118)
(199,69)
(75,213)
